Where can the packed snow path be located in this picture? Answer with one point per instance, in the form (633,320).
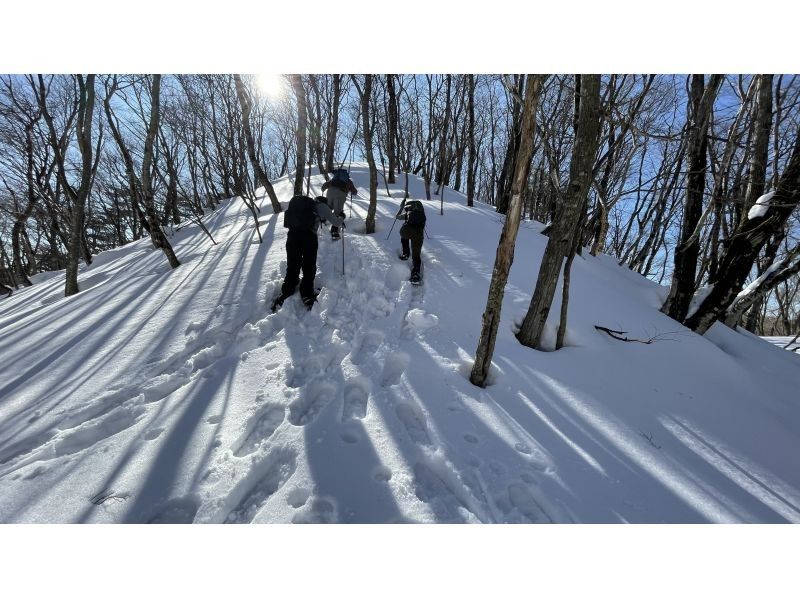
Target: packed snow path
(176,396)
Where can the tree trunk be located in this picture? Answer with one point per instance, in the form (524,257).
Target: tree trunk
(746,243)
(471,138)
(505,249)
(700,108)
(85,112)
(564,231)
(391,128)
(333,123)
(261,175)
(366,94)
(300,133)
(157,235)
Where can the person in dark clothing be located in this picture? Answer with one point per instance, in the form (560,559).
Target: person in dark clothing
(337,189)
(412,234)
(302,218)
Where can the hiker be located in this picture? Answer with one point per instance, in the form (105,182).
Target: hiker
(412,233)
(337,189)
(302,218)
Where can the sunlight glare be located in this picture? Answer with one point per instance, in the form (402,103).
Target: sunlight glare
(272,86)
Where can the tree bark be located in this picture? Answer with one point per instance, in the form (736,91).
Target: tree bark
(564,231)
(366,94)
(157,235)
(391,127)
(333,123)
(300,132)
(471,138)
(505,249)
(700,108)
(85,112)
(745,244)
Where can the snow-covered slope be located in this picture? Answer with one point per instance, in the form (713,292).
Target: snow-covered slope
(176,396)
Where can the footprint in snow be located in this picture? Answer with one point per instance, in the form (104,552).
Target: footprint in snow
(356,396)
(260,428)
(393,368)
(311,401)
(524,501)
(414,422)
(177,510)
(270,475)
(370,342)
(321,510)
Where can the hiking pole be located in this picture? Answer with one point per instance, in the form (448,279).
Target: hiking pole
(402,203)
(343,276)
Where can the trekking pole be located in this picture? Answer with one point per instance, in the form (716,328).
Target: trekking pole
(402,203)
(343,276)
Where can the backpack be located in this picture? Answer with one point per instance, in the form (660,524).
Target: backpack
(416,214)
(340,178)
(301,213)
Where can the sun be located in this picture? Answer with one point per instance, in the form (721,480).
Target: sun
(272,86)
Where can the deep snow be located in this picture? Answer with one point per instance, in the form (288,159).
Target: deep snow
(176,396)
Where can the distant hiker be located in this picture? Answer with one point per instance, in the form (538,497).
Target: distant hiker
(337,189)
(6,290)
(412,232)
(302,218)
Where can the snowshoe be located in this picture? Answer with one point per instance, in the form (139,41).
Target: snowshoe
(416,278)
(404,256)
(276,305)
(335,236)
(309,302)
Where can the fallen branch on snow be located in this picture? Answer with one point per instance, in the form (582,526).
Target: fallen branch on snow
(617,334)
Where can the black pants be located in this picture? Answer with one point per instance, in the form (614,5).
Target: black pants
(416,250)
(301,253)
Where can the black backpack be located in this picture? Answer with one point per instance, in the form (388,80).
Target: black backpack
(416,214)
(340,178)
(301,213)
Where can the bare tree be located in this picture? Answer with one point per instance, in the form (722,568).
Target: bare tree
(365,94)
(300,132)
(508,238)
(84,112)
(261,176)
(157,235)
(753,232)
(564,232)
(684,274)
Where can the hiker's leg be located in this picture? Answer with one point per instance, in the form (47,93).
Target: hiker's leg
(404,243)
(309,264)
(416,251)
(294,254)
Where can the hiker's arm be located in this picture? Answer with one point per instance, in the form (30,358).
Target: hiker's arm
(325,213)
(400,215)
(353,189)
(326,184)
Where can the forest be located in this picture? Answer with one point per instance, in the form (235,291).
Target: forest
(690,180)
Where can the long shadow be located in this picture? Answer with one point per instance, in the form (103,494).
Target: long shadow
(170,460)
(180,435)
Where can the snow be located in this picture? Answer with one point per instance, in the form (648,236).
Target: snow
(759,209)
(789,343)
(176,396)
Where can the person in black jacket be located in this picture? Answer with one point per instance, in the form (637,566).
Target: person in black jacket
(302,218)
(412,234)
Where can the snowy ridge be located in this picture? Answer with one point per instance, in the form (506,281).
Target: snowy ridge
(172,397)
